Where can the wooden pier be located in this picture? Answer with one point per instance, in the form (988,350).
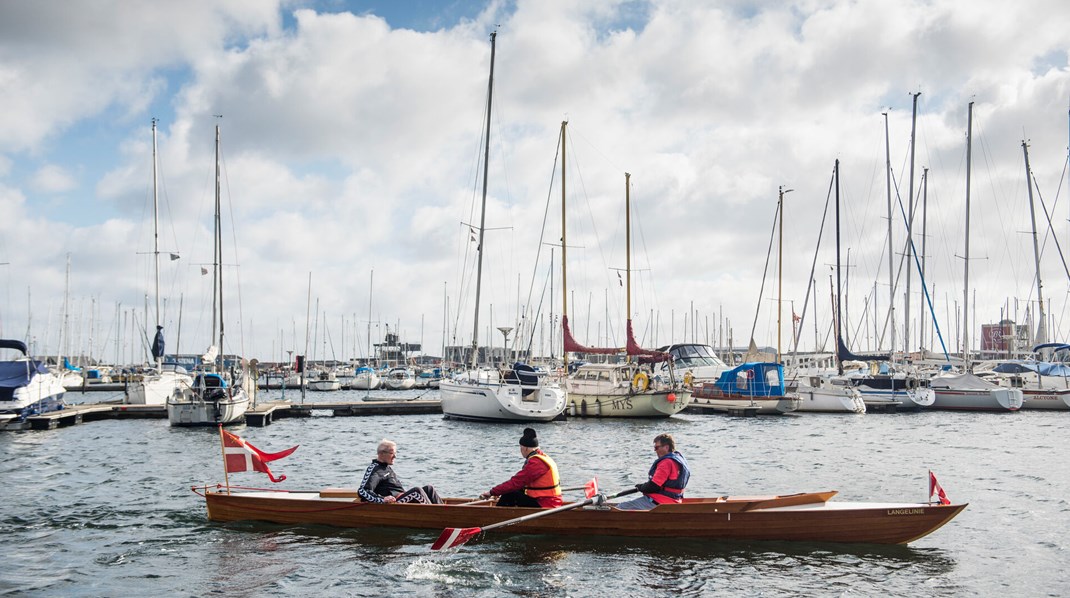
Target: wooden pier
(260,415)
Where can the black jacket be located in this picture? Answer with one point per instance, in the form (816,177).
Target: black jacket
(379,481)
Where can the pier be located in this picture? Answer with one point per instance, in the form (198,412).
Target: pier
(260,415)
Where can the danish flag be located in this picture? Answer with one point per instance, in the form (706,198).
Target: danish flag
(239,455)
(934,488)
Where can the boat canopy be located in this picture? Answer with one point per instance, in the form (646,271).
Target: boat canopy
(753,379)
(1053,346)
(14,344)
(16,374)
(1043,368)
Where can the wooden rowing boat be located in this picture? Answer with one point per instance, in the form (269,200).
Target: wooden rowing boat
(808,517)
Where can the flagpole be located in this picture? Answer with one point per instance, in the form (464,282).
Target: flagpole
(223,451)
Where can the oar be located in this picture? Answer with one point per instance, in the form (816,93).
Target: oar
(452,537)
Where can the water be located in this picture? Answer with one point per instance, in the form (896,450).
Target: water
(105,508)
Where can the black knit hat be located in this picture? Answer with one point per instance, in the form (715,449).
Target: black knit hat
(528,439)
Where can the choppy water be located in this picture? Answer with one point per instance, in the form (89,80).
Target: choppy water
(105,508)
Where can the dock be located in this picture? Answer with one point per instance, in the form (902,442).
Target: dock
(260,415)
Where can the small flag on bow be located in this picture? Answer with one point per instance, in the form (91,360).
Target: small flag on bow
(935,488)
(239,455)
(590,489)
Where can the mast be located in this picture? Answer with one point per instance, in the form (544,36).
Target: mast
(966,267)
(483,207)
(628,250)
(564,246)
(371,283)
(839,290)
(891,265)
(910,225)
(217,276)
(156,237)
(924,237)
(1041,336)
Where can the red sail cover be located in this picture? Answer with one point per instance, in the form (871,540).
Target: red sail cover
(571,346)
(647,355)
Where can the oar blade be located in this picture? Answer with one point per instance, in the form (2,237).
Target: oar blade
(452,537)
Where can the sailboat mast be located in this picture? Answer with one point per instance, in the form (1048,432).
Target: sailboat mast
(628,247)
(1041,336)
(217,257)
(564,245)
(839,288)
(483,207)
(966,256)
(156,236)
(891,264)
(924,237)
(910,226)
(371,283)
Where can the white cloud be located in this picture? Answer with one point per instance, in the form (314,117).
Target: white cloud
(350,146)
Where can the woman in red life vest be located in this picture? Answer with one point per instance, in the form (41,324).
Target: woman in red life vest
(537,484)
(668,478)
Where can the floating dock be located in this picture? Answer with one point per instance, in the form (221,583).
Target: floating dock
(260,415)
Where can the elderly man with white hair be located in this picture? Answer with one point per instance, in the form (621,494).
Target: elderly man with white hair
(381,484)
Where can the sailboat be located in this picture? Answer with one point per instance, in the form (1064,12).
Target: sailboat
(966,391)
(626,389)
(221,393)
(884,384)
(509,393)
(158,385)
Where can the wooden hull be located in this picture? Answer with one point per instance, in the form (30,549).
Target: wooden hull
(804,517)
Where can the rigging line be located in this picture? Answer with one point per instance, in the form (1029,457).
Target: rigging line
(813,267)
(765,271)
(925,288)
(234,244)
(538,251)
(1050,226)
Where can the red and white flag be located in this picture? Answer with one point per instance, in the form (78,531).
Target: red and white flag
(590,488)
(935,488)
(239,455)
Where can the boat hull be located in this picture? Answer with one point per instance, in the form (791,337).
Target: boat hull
(1054,399)
(157,389)
(830,400)
(196,412)
(713,519)
(486,401)
(662,403)
(994,399)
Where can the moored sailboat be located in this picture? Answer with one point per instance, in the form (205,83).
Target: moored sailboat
(222,393)
(514,393)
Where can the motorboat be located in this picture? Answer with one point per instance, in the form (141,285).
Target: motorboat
(518,393)
(27,386)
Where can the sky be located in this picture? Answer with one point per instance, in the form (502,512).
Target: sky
(352,142)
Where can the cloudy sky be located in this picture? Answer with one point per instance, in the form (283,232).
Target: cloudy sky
(352,143)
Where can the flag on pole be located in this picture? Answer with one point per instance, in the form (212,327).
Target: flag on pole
(590,488)
(935,488)
(239,455)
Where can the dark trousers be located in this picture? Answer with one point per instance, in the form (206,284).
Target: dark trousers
(426,495)
(517,499)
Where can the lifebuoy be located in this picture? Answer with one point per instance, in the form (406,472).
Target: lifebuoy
(688,379)
(640,382)
(750,374)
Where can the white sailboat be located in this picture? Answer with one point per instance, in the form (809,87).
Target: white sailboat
(222,394)
(966,391)
(161,383)
(514,393)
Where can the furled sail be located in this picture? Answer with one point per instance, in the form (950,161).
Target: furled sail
(571,346)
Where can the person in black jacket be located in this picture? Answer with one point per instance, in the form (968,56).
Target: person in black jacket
(381,484)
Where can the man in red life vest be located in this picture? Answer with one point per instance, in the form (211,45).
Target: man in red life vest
(668,478)
(537,484)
